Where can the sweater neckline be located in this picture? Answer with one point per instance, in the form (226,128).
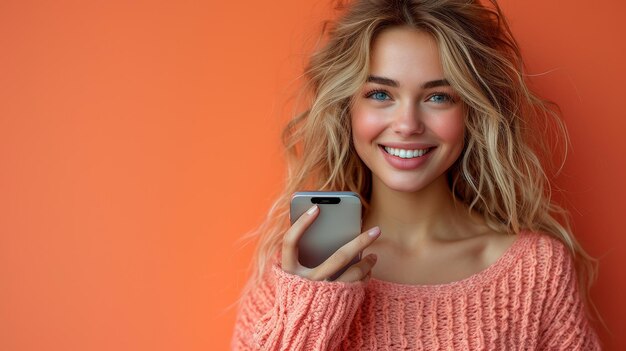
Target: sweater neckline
(511,255)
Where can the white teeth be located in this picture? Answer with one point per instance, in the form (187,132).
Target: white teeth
(403,153)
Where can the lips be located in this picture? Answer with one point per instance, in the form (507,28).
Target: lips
(408,157)
(404,153)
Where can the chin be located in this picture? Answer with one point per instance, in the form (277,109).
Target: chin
(406,184)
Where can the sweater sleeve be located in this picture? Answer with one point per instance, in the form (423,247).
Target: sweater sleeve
(565,325)
(288,312)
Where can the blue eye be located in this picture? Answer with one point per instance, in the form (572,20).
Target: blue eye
(440,98)
(378,95)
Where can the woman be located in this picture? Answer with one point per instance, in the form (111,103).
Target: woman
(421,108)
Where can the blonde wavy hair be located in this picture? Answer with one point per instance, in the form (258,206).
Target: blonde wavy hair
(499,174)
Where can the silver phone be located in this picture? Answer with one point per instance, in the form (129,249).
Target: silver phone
(338,222)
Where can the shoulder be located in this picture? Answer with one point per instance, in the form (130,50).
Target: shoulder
(563,316)
(532,258)
(544,247)
(548,257)
(529,248)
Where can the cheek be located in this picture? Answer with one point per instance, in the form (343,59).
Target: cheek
(366,126)
(451,127)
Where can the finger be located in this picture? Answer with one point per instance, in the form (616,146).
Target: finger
(345,254)
(368,276)
(292,236)
(359,271)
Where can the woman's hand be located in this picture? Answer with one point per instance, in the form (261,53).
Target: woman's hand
(338,260)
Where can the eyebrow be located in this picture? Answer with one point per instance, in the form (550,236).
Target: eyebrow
(395,83)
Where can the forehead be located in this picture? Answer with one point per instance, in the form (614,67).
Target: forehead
(405,54)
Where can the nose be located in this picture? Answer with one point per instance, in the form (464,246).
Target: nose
(407,120)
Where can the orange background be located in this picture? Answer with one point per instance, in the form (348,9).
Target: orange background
(140,139)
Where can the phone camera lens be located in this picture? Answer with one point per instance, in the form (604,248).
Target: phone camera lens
(325,200)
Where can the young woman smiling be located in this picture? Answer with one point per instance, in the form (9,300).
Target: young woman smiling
(421,108)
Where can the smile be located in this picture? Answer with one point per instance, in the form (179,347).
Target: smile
(403,153)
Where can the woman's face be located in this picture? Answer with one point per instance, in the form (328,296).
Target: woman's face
(407,121)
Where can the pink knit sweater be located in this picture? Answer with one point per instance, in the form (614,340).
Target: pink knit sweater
(526,300)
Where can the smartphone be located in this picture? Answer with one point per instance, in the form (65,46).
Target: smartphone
(338,222)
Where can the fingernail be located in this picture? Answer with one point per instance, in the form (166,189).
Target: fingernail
(312,210)
(373,257)
(374,232)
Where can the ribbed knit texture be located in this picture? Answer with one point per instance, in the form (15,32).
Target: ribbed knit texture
(526,300)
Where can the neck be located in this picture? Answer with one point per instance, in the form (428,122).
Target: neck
(409,218)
